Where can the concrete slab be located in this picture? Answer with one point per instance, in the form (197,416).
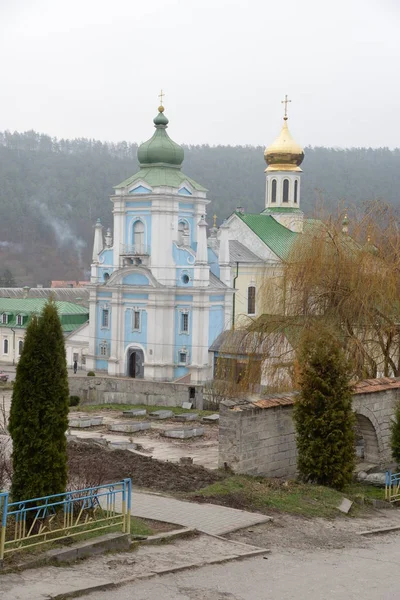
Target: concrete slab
(211,418)
(186,417)
(122,445)
(345,505)
(127,427)
(80,422)
(96,420)
(138,412)
(187,404)
(183,432)
(162,414)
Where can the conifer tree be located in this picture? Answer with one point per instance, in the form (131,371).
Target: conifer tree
(39,410)
(323,415)
(395,437)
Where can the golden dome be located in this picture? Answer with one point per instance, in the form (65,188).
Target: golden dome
(284,154)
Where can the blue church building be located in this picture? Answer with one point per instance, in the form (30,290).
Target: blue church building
(159,293)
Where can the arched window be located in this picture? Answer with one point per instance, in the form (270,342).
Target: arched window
(296,185)
(138,236)
(106,277)
(183,232)
(20,347)
(251,300)
(5,347)
(285,197)
(273,191)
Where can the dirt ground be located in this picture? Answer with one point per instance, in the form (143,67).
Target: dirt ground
(91,464)
(288,532)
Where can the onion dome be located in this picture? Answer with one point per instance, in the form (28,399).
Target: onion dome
(284,154)
(160,150)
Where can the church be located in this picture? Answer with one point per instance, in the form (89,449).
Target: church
(162,291)
(158,294)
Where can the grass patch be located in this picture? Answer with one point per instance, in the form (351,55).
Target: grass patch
(266,495)
(177,410)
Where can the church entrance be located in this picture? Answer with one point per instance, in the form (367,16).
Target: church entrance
(135,366)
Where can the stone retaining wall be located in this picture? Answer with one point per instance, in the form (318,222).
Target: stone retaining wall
(105,390)
(257,441)
(257,436)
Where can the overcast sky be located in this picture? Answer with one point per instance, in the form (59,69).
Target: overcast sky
(94,68)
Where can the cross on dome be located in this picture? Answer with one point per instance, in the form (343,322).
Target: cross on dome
(285,102)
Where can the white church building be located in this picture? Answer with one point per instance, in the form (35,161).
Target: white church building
(158,295)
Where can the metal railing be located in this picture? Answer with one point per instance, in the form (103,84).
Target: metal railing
(135,250)
(392,487)
(43,520)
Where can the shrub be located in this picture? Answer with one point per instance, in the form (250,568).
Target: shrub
(91,374)
(39,410)
(74,400)
(323,414)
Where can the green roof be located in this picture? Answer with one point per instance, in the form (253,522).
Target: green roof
(35,305)
(277,237)
(157,176)
(71,315)
(281,209)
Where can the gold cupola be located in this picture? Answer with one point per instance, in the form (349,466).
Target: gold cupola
(284,154)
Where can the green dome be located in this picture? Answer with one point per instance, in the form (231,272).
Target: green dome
(160,149)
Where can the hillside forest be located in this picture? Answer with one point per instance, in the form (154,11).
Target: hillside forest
(53,190)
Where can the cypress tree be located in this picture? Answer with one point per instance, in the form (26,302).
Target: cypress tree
(323,416)
(395,435)
(39,410)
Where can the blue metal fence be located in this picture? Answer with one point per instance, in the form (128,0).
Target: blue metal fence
(392,486)
(39,521)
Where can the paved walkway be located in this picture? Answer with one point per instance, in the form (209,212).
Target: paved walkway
(208,518)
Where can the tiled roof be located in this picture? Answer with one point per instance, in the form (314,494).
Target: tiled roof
(157,176)
(277,237)
(367,386)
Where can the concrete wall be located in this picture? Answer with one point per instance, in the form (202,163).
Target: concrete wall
(257,441)
(105,390)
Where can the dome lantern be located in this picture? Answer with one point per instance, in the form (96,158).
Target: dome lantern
(160,150)
(284,154)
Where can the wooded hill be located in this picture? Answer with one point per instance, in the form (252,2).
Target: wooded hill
(52,191)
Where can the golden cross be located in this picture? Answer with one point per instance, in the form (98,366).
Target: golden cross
(161,96)
(215,220)
(285,102)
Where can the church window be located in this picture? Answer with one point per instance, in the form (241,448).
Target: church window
(136,320)
(20,320)
(138,236)
(5,347)
(105,318)
(184,324)
(285,197)
(296,185)
(106,277)
(183,357)
(251,300)
(20,347)
(103,348)
(273,191)
(4,318)
(185,278)
(183,232)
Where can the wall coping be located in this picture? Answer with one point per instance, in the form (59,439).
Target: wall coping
(366,386)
